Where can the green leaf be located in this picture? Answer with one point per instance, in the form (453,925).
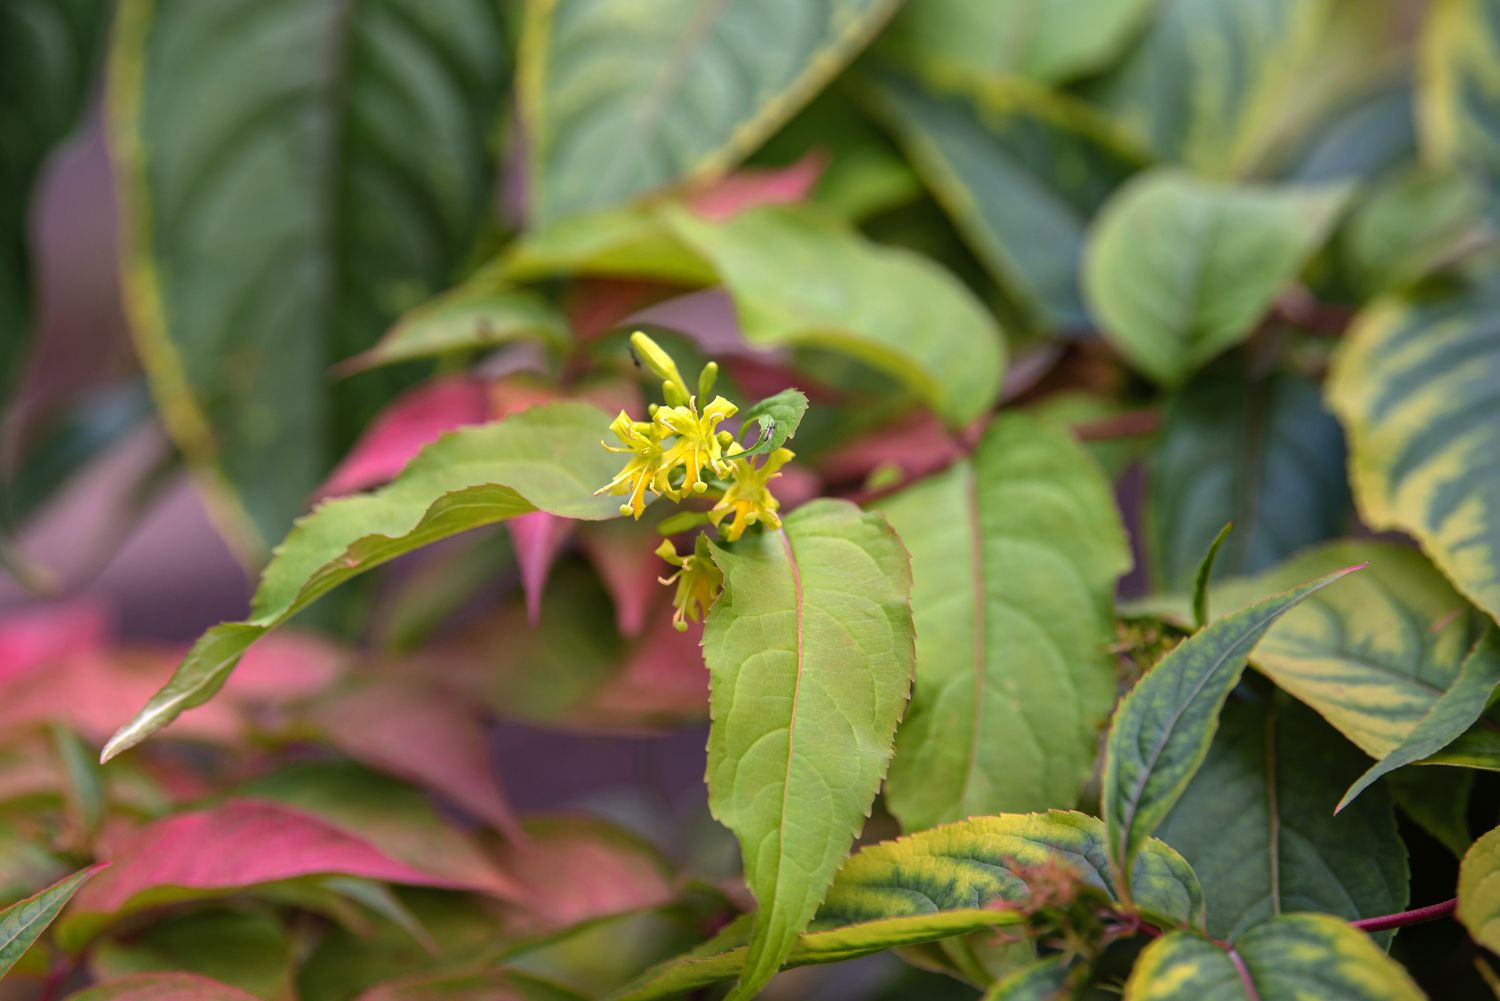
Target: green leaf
(1479,890)
(48,52)
(500,985)
(1285,850)
(891,308)
(982,861)
(777,417)
(810,656)
(1162,730)
(1262,453)
(1205,571)
(1458,85)
(1015,554)
(279,215)
(162,987)
(1411,223)
(1450,714)
(1179,269)
(1043,980)
(1413,384)
(620,98)
(1288,958)
(23,922)
(992,160)
(475,316)
(1437,800)
(543,459)
(1210,84)
(977,41)
(244,948)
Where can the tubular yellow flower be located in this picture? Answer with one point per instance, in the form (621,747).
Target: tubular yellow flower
(748,496)
(644,440)
(698,581)
(698,444)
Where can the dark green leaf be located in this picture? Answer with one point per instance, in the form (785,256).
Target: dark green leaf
(1205,571)
(23,922)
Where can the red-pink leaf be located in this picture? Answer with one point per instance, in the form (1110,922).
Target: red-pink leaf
(284,666)
(745,189)
(162,987)
(38,637)
(538,538)
(423,736)
(624,555)
(236,844)
(414,420)
(597,305)
(663,681)
(915,448)
(495,985)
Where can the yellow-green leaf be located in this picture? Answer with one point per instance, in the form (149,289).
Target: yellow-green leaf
(1015,554)
(1295,957)
(1479,890)
(544,459)
(810,656)
(1458,84)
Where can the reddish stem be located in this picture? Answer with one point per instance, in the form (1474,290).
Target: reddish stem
(1431,912)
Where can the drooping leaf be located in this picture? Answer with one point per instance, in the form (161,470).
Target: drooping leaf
(621,98)
(775,419)
(162,987)
(1015,553)
(236,844)
(1285,851)
(1413,384)
(991,161)
(1211,84)
(1179,269)
(546,458)
(810,658)
(866,302)
(1458,85)
(1162,730)
(1479,890)
(1287,958)
(478,316)
(278,219)
(48,51)
(23,922)
(1262,453)
(983,41)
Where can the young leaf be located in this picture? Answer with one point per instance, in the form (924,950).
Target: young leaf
(257,257)
(1285,850)
(1288,958)
(1179,269)
(1015,553)
(892,309)
(810,655)
(1205,571)
(23,922)
(991,163)
(1162,730)
(1413,384)
(1479,891)
(777,418)
(622,98)
(162,987)
(547,458)
(1263,453)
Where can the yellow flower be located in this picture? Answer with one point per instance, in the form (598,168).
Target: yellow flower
(698,444)
(698,581)
(748,496)
(644,440)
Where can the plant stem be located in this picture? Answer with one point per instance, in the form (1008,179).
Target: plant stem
(1413,917)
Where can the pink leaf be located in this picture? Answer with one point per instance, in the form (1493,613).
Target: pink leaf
(914,448)
(415,419)
(286,665)
(538,539)
(624,555)
(745,189)
(37,637)
(598,305)
(663,681)
(163,987)
(423,736)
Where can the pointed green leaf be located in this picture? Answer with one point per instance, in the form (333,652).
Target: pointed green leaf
(293,174)
(991,161)
(620,98)
(1015,553)
(547,458)
(1162,730)
(1179,269)
(810,655)
(472,317)
(1414,384)
(1292,957)
(866,302)
(1263,453)
(1285,850)
(1458,84)
(23,922)
(776,419)
(1479,890)
(1205,571)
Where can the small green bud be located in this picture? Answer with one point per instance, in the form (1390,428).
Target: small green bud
(650,354)
(706,380)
